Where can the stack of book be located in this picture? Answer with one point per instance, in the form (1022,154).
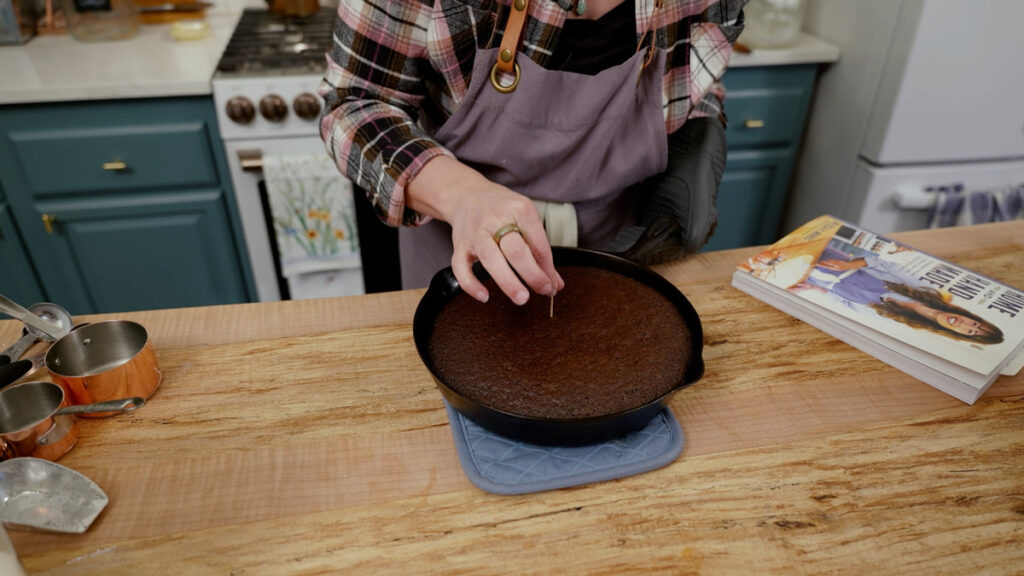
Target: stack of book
(941,323)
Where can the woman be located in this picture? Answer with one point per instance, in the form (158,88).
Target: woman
(422,115)
(872,282)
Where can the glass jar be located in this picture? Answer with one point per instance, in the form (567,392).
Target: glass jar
(772,23)
(100,20)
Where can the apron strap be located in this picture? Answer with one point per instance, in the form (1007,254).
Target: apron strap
(652,27)
(511,40)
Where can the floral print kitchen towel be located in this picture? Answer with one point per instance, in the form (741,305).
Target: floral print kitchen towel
(313,212)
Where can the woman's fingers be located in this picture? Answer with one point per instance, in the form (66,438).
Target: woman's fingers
(502,230)
(494,260)
(462,266)
(489,253)
(521,257)
(510,262)
(476,208)
(536,241)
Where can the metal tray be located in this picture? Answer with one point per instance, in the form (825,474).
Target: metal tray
(40,494)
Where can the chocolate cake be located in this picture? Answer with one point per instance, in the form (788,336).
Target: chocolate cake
(613,344)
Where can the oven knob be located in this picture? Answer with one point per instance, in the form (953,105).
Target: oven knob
(306,106)
(273,108)
(241,110)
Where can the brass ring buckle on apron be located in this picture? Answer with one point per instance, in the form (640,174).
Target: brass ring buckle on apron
(510,42)
(497,83)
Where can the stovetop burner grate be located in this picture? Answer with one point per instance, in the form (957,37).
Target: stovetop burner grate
(263,44)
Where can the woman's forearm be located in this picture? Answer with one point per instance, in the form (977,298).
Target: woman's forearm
(441,186)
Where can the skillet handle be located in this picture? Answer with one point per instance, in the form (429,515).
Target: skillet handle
(444,283)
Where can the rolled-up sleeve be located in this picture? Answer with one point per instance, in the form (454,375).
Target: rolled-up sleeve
(711,42)
(372,90)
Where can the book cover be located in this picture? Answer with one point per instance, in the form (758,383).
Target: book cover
(915,305)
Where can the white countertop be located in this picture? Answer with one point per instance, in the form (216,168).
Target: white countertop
(806,49)
(152,64)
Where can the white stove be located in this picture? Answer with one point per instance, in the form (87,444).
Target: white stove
(266,81)
(265,94)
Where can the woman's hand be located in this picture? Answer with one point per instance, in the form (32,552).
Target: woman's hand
(476,208)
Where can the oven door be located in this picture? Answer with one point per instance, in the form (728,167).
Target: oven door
(245,162)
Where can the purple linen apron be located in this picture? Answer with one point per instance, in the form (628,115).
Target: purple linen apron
(559,137)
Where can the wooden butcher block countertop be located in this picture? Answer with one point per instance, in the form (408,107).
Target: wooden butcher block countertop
(307,438)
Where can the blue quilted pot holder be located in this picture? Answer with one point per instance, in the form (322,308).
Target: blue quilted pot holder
(504,466)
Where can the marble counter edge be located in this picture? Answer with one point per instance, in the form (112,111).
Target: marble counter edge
(121,92)
(806,49)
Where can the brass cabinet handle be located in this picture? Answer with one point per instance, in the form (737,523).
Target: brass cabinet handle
(48,221)
(754,123)
(115,166)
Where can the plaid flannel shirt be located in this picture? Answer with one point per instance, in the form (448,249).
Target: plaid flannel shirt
(399,68)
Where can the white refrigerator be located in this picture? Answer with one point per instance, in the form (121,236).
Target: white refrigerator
(926,94)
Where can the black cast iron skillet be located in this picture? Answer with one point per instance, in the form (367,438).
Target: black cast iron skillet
(550,431)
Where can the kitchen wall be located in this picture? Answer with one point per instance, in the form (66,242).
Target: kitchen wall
(842,100)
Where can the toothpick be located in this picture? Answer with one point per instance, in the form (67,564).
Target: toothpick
(551,312)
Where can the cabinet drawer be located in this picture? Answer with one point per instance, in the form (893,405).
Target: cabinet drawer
(766,106)
(114,157)
(763,119)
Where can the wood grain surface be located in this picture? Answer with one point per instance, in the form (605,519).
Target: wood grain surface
(307,438)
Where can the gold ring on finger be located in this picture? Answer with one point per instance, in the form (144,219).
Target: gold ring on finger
(506,229)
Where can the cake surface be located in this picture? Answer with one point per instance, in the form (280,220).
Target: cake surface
(613,344)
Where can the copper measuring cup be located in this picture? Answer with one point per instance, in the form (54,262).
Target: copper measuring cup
(35,419)
(104,361)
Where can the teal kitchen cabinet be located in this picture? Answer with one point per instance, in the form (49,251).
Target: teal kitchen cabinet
(750,198)
(157,250)
(766,107)
(18,278)
(124,204)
